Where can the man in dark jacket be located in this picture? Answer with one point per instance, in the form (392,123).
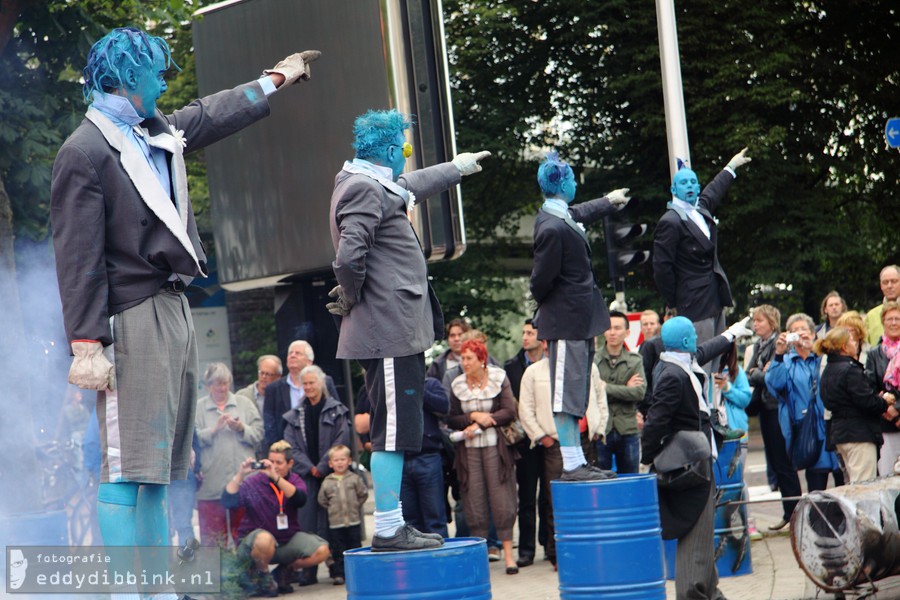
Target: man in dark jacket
(685,250)
(571,312)
(680,393)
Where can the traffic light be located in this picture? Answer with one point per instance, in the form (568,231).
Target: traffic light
(619,236)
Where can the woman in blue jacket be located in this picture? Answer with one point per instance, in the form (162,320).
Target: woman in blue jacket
(793,378)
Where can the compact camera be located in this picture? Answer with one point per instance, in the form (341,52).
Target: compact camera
(257,465)
(792,338)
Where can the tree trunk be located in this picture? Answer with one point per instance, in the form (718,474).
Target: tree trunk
(9,289)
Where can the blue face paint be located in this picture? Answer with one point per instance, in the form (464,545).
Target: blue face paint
(678,334)
(395,158)
(567,189)
(150,85)
(685,186)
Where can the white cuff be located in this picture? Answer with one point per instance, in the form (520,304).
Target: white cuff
(269,88)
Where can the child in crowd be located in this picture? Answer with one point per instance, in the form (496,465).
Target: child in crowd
(342,494)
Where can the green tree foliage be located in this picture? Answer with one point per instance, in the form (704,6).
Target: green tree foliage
(807,85)
(40,88)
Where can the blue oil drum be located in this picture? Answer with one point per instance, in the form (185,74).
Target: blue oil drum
(732,553)
(729,465)
(732,538)
(609,538)
(456,570)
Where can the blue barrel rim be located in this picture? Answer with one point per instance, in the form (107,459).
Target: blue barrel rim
(449,543)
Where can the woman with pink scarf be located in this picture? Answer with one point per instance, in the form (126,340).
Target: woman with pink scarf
(883,370)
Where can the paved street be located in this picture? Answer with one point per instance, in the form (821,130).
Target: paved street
(775,576)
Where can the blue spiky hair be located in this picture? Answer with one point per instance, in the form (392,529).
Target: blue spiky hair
(377,129)
(118,49)
(552,173)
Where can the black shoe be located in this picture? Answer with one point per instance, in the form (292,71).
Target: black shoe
(779,525)
(406,538)
(605,473)
(584,473)
(525,561)
(256,584)
(337,580)
(512,570)
(433,536)
(282,576)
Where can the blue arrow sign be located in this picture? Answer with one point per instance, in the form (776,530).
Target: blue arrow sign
(892,132)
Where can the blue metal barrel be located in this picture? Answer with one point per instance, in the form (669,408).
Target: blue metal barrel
(456,570)
(608,538)
(732,538)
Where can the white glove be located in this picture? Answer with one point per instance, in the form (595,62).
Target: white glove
(739,160)
(295,66)
(467,162)
(740,329)
(90,370)
(618,198)
(341,306)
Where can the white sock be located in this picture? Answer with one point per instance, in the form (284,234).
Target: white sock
(573,457)
(388,522)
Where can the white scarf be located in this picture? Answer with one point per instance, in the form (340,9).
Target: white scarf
(382,175)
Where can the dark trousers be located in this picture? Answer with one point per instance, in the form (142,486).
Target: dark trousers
(777,459)
(422,492)
(553,467)
(626,449)
(341,539)
(529,470)
(696,577)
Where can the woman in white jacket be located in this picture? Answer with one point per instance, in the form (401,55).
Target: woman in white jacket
(536,415)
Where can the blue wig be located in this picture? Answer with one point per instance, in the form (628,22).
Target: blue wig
(374,131)
(114,52)
(552,173)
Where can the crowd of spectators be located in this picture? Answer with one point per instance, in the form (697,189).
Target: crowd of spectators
(284,489)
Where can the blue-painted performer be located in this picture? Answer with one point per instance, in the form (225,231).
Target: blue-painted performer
(389,313)
(680,403)
(126,247)
(571,311)
(685,249)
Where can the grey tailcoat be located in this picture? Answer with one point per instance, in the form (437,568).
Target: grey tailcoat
(113,250)
(381,267)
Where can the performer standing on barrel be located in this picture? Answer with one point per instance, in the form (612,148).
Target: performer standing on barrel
(126,247)
(389,313)
(571,311)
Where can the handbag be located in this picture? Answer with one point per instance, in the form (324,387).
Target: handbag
(513,432)
(684,462)
(806,446)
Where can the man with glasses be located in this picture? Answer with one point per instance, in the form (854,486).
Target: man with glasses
(389,313)
(269,369)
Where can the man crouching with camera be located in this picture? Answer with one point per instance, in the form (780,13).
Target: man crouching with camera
(269,532)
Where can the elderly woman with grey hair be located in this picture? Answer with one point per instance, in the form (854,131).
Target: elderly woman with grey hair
(793,378)
(229,427)
(312,428)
